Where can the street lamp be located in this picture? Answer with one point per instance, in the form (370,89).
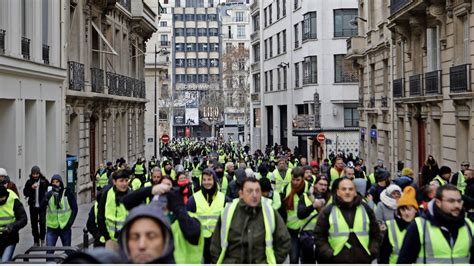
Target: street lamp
(163,52)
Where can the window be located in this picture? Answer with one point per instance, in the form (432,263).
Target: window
(212,17)
(351,116)
(285,78)
(179,32)
(164,10)
(180,47)
(240,31)
(178,17)
(266,49)
(201,17)
(214,77)
(239,16)
(179,62)
(256,22)
(342,25)
(164,40)
(241,63)
(309,26)
(163,23)
(256,117)
(278,9)
(278,43)
(202,62)
(190,17)
(270,14)
(214,47)
(302,109)
(283,8)
(214,62)
(297,43)
(297,75)
(228,47)
(256,52)
(190,32)
(203,78)
(213,32)
(256,82)
(202,32)
(270,43)
(343,70)
(296,4)
(271,80)
(278,79)
(265,17)
(283,41)
(310,70)
(192,78)
(432,48)
(266,81)
(191,62)
(191,47)
(165,2)
(180,78)
(202,47)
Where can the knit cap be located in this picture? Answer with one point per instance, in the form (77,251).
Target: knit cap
(408,198)
(407,172)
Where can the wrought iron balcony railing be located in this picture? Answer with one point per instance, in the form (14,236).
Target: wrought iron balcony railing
(97,80)
(433,82)
(125,86)
(398,88)
(2,41)
(46,54)
(25,48)
(76,76)
(416,85)
(460,78)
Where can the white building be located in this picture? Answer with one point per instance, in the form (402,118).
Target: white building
(235,29)
(301,83)
(32,72)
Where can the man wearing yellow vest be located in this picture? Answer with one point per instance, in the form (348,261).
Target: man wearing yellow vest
(207,204)
(458,178)
(337,171)
(12,219)
(444,175)
(250,218)
(346,230)
(281,176)
(60,214)
(407,210)
(442,235)
(111,211)
(168,170)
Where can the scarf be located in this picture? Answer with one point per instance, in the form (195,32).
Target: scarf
(289,200)
(387,200)
(184,189)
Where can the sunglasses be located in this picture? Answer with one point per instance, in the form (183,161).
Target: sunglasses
(465,165)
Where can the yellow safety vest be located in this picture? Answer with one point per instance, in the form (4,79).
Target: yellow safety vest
(309,225)
(7,214)
(435,248)
(102,179)
(172,175)
(339,230)
(96,211)
(139,169)
(114,215)
(58,217)
(196,171)
(441,181)
(395,236)
(269,221)
(185,252)
(335,175)
(281,182)
(461,184)
(208,215)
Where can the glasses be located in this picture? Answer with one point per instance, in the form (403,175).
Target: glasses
(465,165)
(460,201)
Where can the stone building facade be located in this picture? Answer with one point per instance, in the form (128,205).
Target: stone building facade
(105,95)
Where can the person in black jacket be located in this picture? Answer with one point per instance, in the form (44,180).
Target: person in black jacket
(468,196)
(9,236)
(91,223)
(35,190)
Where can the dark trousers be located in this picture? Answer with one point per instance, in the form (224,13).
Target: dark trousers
(38,223)
(295,247)
(207,250)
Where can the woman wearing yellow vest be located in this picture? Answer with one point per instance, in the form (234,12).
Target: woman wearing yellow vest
(291,198)
(13,218)
(207,204)
(407,210)
(346,230)
(60,214)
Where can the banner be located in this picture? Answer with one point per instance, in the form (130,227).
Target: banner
(192,116)
(188,99)
(179,116)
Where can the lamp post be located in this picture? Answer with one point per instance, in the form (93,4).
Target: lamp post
(156,148)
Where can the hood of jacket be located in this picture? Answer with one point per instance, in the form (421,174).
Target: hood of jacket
(154,211)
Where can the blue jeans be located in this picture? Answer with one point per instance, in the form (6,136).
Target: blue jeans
(295,247)
(8,253)
(52,236)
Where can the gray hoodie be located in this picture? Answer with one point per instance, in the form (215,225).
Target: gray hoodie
(155,211)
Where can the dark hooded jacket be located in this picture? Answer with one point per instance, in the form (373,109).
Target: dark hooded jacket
(411,244)
(234,186)
(56,194)
(30,192)
(357,253)
(154,211)
(208,194)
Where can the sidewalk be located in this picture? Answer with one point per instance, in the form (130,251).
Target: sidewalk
(26,237)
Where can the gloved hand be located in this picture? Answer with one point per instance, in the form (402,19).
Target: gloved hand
(160,189)
(175,200)
(8,228)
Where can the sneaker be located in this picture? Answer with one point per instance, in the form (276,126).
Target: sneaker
(42,243)
(36,244)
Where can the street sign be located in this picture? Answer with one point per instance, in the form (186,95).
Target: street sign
(328,142)
(321,138)
(165,138)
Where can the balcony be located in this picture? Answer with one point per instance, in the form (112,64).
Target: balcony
(398,88)
(460,78)
(255,67)
(25,48)
(255,36)
(76,76)
(371,103)
(433,82)
(384,101)
(2,41)
(396,5)
(127,4)
(125,86)
(255,97)
(310,36)
(416,85)
(46,54)
(355,47)
(165,43)
(254,5)
(97,80)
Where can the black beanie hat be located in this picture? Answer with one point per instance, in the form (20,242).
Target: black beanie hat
(265,184)
(444,170)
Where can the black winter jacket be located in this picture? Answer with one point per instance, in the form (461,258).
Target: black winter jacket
(30,192)
(21,220)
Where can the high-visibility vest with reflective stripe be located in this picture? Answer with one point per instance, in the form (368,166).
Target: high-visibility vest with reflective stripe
(441,181)
(196,171)
(114,215)
(281,182)
(335,174)
(96,211)
(208,215)
(461,182)
(269,222)
(102,179)
(395,236)
(7,214)
(440,251)
(312,223)
(225,184)
(139,169)
(58,217)
(185,252)
(293,222)
(371,178)
(222,158)
(136,183)
(339,230)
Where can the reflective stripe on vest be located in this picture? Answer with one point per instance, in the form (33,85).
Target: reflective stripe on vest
(208,215)
(311,225)
(437,249)
(114,215)
(281,182)
(441,181)
(461,184)
(269,222)
(7,214)
(185,252)
(293,222)
(139,169)
(335,174)
(196,171)
(58,218)
(395,236)
(103,179)
(136,183)
(339,230)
